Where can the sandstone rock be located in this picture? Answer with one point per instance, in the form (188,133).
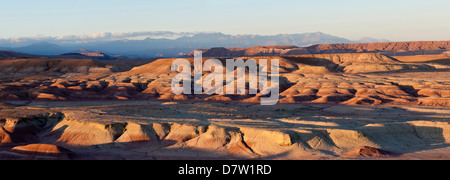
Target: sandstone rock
(39,152)
(12,97)
(86,133)
(182,133)
(46,96)
(288,99)
(219,98)
(430,101)
(138,133)
(367,151)
(178,97)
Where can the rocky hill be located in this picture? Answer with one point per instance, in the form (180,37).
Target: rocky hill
(12,55)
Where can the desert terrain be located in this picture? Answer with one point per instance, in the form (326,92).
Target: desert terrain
(341,101)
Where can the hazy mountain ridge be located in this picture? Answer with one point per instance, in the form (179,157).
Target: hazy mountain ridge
(164,47)
(42,48)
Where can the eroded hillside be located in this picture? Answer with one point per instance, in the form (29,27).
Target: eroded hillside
(332,106)
(350,78)
(186,130)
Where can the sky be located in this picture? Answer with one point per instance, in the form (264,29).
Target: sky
(395,20)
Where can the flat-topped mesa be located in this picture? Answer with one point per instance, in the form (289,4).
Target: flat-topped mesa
(94,54)
(89,53)
(387,48)
(342,58)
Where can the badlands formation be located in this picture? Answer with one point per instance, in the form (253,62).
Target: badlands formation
(353,105)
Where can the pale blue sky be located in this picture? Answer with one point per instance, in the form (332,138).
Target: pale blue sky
(398,20)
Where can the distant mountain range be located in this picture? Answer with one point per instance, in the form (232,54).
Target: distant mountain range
(386,48)
(164,47)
